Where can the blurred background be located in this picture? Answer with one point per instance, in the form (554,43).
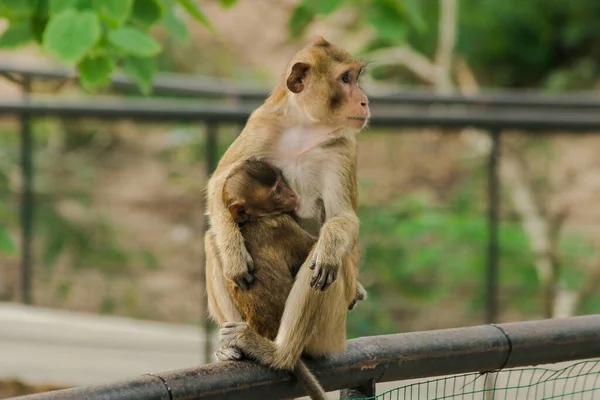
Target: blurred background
(116,205)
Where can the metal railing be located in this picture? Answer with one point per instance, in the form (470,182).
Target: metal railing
(493,112)
(185,86)
(367,361)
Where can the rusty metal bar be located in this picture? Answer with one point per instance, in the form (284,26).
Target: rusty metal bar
(210,87)
(26,201)
(493,227)
(378,358)
(185,110)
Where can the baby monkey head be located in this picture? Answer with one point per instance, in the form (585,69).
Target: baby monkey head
(257,189)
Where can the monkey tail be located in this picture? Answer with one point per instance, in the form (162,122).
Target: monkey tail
(311,384)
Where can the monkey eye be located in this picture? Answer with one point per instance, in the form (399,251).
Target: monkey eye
(278,189)
(346,77)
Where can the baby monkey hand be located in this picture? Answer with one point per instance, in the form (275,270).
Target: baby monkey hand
(240,271)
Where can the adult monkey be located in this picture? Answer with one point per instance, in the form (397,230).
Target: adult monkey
(307,128)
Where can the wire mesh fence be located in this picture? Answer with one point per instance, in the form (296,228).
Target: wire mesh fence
(579,381)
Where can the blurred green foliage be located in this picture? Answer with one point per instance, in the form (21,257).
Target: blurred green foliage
(415,252)
(96,36)
(7,245)
(553,44)
(7,217)
(549,44)
(63,173)
(389,18)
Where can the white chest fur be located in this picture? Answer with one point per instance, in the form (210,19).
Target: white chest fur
(310,168)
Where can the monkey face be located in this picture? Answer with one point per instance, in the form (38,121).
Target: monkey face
(284,198)
(257,189)
(276,199)
(324,81)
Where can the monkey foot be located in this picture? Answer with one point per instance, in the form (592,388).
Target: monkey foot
(361,294)
(229,354)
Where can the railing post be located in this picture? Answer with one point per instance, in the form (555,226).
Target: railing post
(493,224)
(26,203)
(211,149)
(359,392)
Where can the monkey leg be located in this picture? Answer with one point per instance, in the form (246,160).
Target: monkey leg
(220,305)
(313,322)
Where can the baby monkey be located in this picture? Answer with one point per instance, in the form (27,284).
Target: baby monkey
(262,203)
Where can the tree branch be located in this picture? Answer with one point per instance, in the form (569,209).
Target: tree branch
(412,60)
(536,228)
(446,42)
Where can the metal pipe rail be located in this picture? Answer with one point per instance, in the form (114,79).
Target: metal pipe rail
(368,360)
(192,86)
(181,110)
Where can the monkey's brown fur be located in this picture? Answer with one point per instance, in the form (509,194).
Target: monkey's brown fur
(259,199)
(262,305)
(276,242)
(306,128)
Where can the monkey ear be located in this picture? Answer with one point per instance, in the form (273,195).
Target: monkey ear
(320,42)
(238,212)
(295,82)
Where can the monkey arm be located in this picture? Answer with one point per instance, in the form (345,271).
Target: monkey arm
(338,236)
(220,305)
(236,262)
(339,233)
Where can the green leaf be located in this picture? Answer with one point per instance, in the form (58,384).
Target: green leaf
(17,8)
(387,21)
(141,70)
(146,12)
(85,5)
(6,244)
(227,3)
(300,19)
(58,6)
(95,71)
(71,34)
(326,7)
(413,12)
(134,41)
(17,34)
(114,10)
(42,9)
(192,9)
(175,25)
(38,26)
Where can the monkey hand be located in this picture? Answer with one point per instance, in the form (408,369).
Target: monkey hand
(228,354)
(361,294)
(240,269)
(233,335)
(325,270)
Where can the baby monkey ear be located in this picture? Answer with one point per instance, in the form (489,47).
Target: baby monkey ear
(297,79)
(238,212)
